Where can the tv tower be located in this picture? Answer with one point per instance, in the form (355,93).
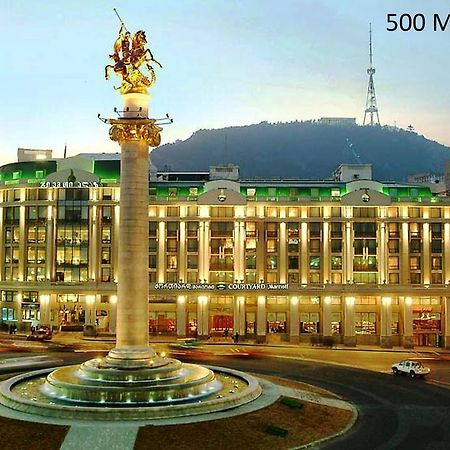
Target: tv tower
(371,102)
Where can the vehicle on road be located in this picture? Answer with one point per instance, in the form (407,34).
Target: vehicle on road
(242,353)
(41,334)
(409,367)
(188,349)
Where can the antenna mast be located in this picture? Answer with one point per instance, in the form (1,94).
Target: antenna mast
(371,102)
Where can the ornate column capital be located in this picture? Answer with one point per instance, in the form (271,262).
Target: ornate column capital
(123,130)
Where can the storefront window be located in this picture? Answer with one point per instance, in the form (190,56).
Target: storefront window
(161,322)
(276,322)
(395,323)
(336,322)
(309,323)
(250,322)
(365,323)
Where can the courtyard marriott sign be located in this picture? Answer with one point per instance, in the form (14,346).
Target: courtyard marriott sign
(222,286)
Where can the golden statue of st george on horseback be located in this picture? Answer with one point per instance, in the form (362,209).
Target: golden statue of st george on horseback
(129,54)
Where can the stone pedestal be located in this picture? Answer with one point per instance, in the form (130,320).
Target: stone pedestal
(385,342)
(408,342)
(350,341)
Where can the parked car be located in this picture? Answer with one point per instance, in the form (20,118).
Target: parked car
(412,368)
(41,334)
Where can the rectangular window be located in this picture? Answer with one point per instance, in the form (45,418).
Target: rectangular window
(172,262)
(336,263)
(192,262)
(293,262)
(395,323)
(314,212)
(173,211)
(335,211)
(314,262)
(272,262)
(365,323)
(309,322)
(393,263)
(365,229)
(336,245)
(314,245)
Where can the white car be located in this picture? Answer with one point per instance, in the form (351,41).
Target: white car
(412,368)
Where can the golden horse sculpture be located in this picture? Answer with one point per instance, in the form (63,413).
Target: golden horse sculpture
(128,58)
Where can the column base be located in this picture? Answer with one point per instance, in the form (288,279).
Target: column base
(132,357)
(408,342)
(203,336)
(349,341)
(385,342)
(261,339)
(294,339)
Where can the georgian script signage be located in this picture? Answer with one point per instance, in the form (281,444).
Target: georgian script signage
(186,286)
(222,286)
(69,184)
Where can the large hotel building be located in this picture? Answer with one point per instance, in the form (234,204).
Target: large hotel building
(349,258)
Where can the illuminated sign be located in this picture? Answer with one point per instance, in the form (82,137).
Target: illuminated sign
(186,286)
(222,286)
(69,184)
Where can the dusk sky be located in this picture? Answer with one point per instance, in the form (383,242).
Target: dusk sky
(226,62)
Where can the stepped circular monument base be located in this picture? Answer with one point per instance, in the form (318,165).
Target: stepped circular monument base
(96,390)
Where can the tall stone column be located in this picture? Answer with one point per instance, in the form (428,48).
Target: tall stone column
(381,250)
(325,263)
(282,241)
(261,320)
(326,317)
(44,307)
(112,314)
(426,272)
(239,315)
(202,316)
(89,318)
(404,254)
(446,253)
(135,133)
(386,323)
(294,324)
(181,316)
(348,254)
(446,301)
(407,319)
(304,260)
(349,322)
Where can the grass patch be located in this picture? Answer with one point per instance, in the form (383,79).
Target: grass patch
(249,431)
(291,402)
(277,431)
(18,434)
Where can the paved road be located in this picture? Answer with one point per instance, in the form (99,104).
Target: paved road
(396,412)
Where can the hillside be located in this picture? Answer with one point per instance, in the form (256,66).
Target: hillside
(304,150)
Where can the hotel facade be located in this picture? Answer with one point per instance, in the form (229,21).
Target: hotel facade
(349,259)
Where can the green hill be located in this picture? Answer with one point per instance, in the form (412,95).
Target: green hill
(304,150)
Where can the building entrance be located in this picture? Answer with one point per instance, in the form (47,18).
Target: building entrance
(221,325)
(427,330)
